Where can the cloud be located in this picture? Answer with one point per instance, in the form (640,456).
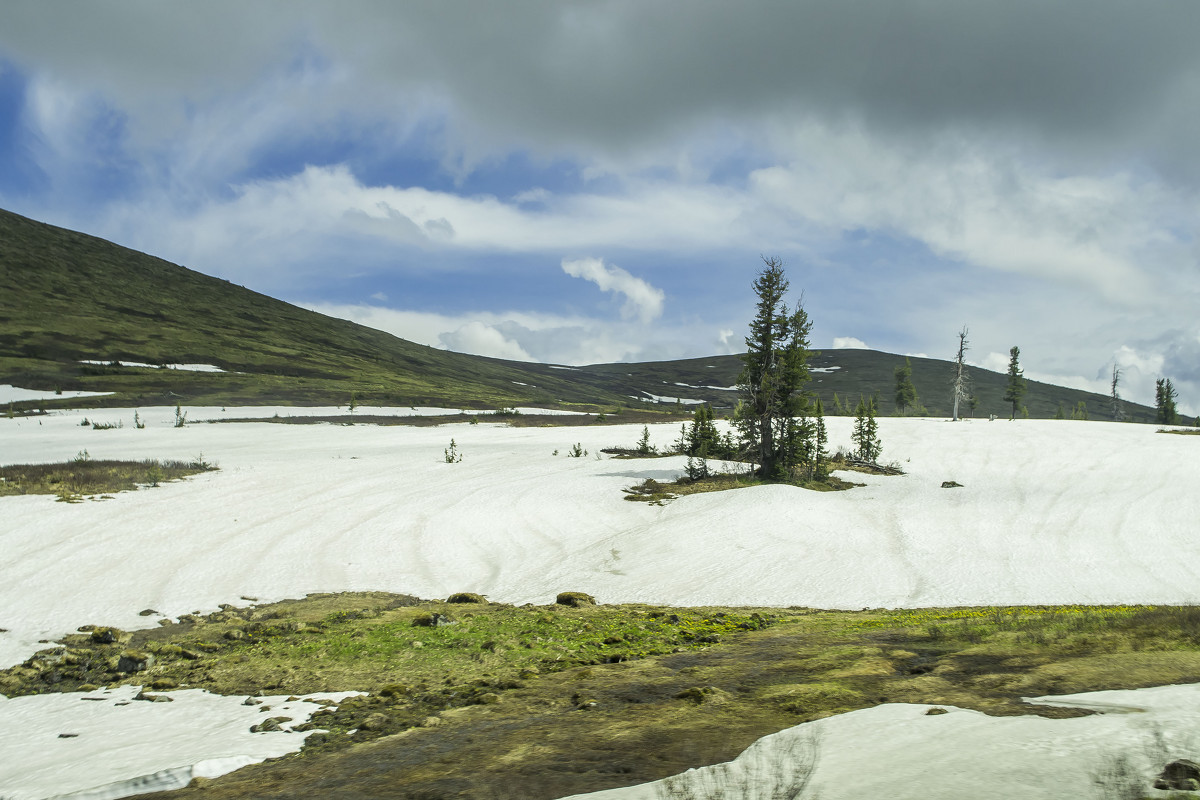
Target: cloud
(849,343)
(515,335)
(641,299)
(483,340)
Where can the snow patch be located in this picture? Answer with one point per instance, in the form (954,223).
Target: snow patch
(15,394)
(105,744)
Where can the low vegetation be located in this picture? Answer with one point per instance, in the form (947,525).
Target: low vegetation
(84,476)
(545,701)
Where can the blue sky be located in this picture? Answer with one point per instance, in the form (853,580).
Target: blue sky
(597,181)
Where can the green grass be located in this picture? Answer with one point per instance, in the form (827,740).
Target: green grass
(543,701)
(72,480)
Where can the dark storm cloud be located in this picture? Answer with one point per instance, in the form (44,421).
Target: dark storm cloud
(1110,79)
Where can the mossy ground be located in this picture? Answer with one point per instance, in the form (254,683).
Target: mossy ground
(85,477)
(544,701)
(652,491)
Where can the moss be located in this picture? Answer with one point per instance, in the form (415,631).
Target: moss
(574,599)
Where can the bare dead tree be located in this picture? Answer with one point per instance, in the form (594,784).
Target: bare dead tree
(962,381)
(1118,409)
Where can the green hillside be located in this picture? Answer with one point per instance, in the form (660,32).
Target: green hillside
(67,297)
(850,374)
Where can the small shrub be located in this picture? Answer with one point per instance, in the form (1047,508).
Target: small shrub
(577,451)
(180,416)
(451,454)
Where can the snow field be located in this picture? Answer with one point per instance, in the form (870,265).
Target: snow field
(1049,512)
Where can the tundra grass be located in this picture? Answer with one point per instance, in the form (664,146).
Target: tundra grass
(544,701)
(72,480)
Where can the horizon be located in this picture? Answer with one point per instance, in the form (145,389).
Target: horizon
(596,184)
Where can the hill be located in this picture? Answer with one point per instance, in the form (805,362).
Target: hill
(68,298)
(849,374)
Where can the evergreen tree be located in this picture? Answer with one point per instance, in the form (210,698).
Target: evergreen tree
(774,377)
(906,393)
(1080,411)
(1164,402)
(819,465)
(703,433)
(1016,381)
(866,431)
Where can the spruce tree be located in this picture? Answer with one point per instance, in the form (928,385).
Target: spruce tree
(819,467)
(866,431)
(1016,381)
(774,378)
(1164,402)
(906,393)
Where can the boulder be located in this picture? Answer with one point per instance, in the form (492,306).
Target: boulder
(269,724)
(951,485)
(575,599)
(466,597)
(134,661)
(1182,775)
(374,722)
(106,635)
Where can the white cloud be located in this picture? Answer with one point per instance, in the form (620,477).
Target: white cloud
(641,299)
(849,343)
(515,335)
(483,340)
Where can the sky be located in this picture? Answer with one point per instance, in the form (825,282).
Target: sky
(599,181)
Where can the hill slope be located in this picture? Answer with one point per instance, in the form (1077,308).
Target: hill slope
(849,374)
(67,297)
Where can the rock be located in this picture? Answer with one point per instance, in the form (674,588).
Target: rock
(147,612)
(269,724)
(134,661)
(67,735)
(933,712)
(466,597)
(163,684)
(574,599)
(431,722)
(227,607)
(250,701)
(1181,775)
(489,698)
(235,634)
(951,485)
(418,644)
(153,698)
(527,673)
(374,722)
(434,620)
(393,690)
(199,783)
(106,635)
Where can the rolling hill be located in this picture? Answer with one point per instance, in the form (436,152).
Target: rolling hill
(67,298)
